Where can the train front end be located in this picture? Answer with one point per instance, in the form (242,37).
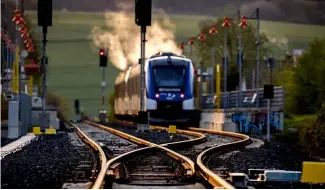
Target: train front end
(170,90)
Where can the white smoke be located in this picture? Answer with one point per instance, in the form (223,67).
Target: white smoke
(122,38)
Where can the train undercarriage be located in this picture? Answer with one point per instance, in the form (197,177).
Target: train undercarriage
(165,118)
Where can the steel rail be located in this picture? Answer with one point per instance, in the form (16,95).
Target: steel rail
(212,178)
(99,182)
(186,162)
(204,171)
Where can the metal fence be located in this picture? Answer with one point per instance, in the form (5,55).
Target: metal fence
(249,99)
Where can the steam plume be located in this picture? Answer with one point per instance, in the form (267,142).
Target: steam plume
(122,38)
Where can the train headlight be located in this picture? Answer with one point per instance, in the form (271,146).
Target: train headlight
(182,95)
(157,96)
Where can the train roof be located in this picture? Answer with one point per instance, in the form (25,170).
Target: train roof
(162,54)
(130,71)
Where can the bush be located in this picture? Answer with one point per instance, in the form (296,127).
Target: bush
(312,136)
(111,112)
(304,85)
(63,108)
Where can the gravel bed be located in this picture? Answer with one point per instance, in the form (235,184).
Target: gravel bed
(47,162)
(212,140)
(273,155)
(114,145)
(154,164)
(5,141)
(157,137)
(147,161)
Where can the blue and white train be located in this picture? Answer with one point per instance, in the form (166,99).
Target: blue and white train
(169,96)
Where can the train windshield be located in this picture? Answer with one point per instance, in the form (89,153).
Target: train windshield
(169,77)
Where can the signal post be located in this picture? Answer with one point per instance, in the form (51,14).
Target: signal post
(44,14)
(143,19)
(102,64)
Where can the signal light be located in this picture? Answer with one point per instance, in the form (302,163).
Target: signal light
(143,9)
(102,58)
(157,95)
(182,95)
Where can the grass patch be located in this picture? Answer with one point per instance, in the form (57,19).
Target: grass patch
(296,127)
(73,59)
(298,121)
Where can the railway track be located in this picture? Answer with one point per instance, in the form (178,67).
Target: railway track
(98,175)
(201,148)
(167,167)
(212,176)
(111,144)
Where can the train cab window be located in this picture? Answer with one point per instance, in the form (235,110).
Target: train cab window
(169,76)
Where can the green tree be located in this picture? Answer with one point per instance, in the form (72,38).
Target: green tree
(285,78)
(309,80)
(248,48)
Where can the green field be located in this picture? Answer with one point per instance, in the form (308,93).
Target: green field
(73,59)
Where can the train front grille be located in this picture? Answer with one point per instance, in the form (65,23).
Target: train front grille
(169,110)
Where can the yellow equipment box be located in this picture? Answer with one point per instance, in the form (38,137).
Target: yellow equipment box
(37,130)
(50,131)
(172,129)
(313,172)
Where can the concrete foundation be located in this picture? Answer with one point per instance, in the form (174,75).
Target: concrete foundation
(217,120)
(242,120)
(54,121)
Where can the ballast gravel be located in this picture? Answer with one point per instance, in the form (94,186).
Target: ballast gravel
(157,137)
(111,144)
(211,141)
(273,155)
(47,162)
